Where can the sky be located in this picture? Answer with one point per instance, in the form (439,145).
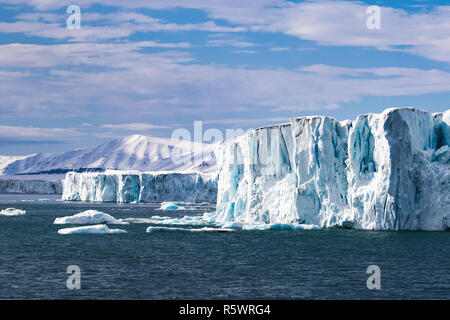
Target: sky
(153,66)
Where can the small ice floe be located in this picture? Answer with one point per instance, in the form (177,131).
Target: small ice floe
(185,206)
(170,206)
(95,229)
(185,221)
(89,217)
(174,229)
(269,226)
(279,226)
(44,200)
(12,212)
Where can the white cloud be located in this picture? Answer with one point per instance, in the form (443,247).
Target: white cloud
(133,126)
(149,84)
(230,43)
(245,51)
(107,26)
(248,121)
(98,79)
(275,49)
(17,133)
(341,23)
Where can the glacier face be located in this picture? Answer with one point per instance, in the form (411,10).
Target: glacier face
(123,186)
(388,171)
(14,185)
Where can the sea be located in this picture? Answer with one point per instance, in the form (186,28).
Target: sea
(37,263)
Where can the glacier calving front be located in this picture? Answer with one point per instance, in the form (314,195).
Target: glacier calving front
(123,186)
(388,171)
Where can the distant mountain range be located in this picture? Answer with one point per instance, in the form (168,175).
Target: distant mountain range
(134,152)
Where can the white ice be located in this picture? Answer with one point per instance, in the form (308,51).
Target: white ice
(95,229)
(388,171)
(170,206)
(12,212)
(133,187)
(174,229)
(89,217)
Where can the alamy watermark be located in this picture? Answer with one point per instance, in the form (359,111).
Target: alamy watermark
(374,20)
(74,20)
(74,280)
(374,280)
(264,141)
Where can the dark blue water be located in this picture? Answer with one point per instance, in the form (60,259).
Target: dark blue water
(325,264)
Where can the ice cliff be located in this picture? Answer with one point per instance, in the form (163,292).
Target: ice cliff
(126,186)
(388,171)
(16,185)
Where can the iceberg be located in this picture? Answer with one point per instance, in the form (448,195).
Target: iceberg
(12,212)
(95,229)
(89,217)
(388,171)
(134,187)
(170,206)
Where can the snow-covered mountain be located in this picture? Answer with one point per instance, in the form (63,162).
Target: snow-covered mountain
(7,160)
(134,152)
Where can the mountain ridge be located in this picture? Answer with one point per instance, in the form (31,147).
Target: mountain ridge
(135,152)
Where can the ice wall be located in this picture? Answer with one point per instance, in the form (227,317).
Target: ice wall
(388,171)
(11,185)
(122,186)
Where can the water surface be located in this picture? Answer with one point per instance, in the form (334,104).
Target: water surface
(322,264)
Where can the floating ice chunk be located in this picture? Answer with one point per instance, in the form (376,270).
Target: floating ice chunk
(12,212)
(279,226)
(95,229)
(170,206)
(89,217)
(158,220)
(184,205)
(288,226)
(233,225)
(44,200)
(139,220)
(174,229)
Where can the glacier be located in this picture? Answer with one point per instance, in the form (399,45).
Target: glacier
(134,186)
(37,186)
(388,171)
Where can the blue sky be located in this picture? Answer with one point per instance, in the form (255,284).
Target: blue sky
(150,67)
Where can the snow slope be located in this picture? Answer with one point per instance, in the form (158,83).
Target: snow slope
(134,152)
(388,171)
(5,161)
